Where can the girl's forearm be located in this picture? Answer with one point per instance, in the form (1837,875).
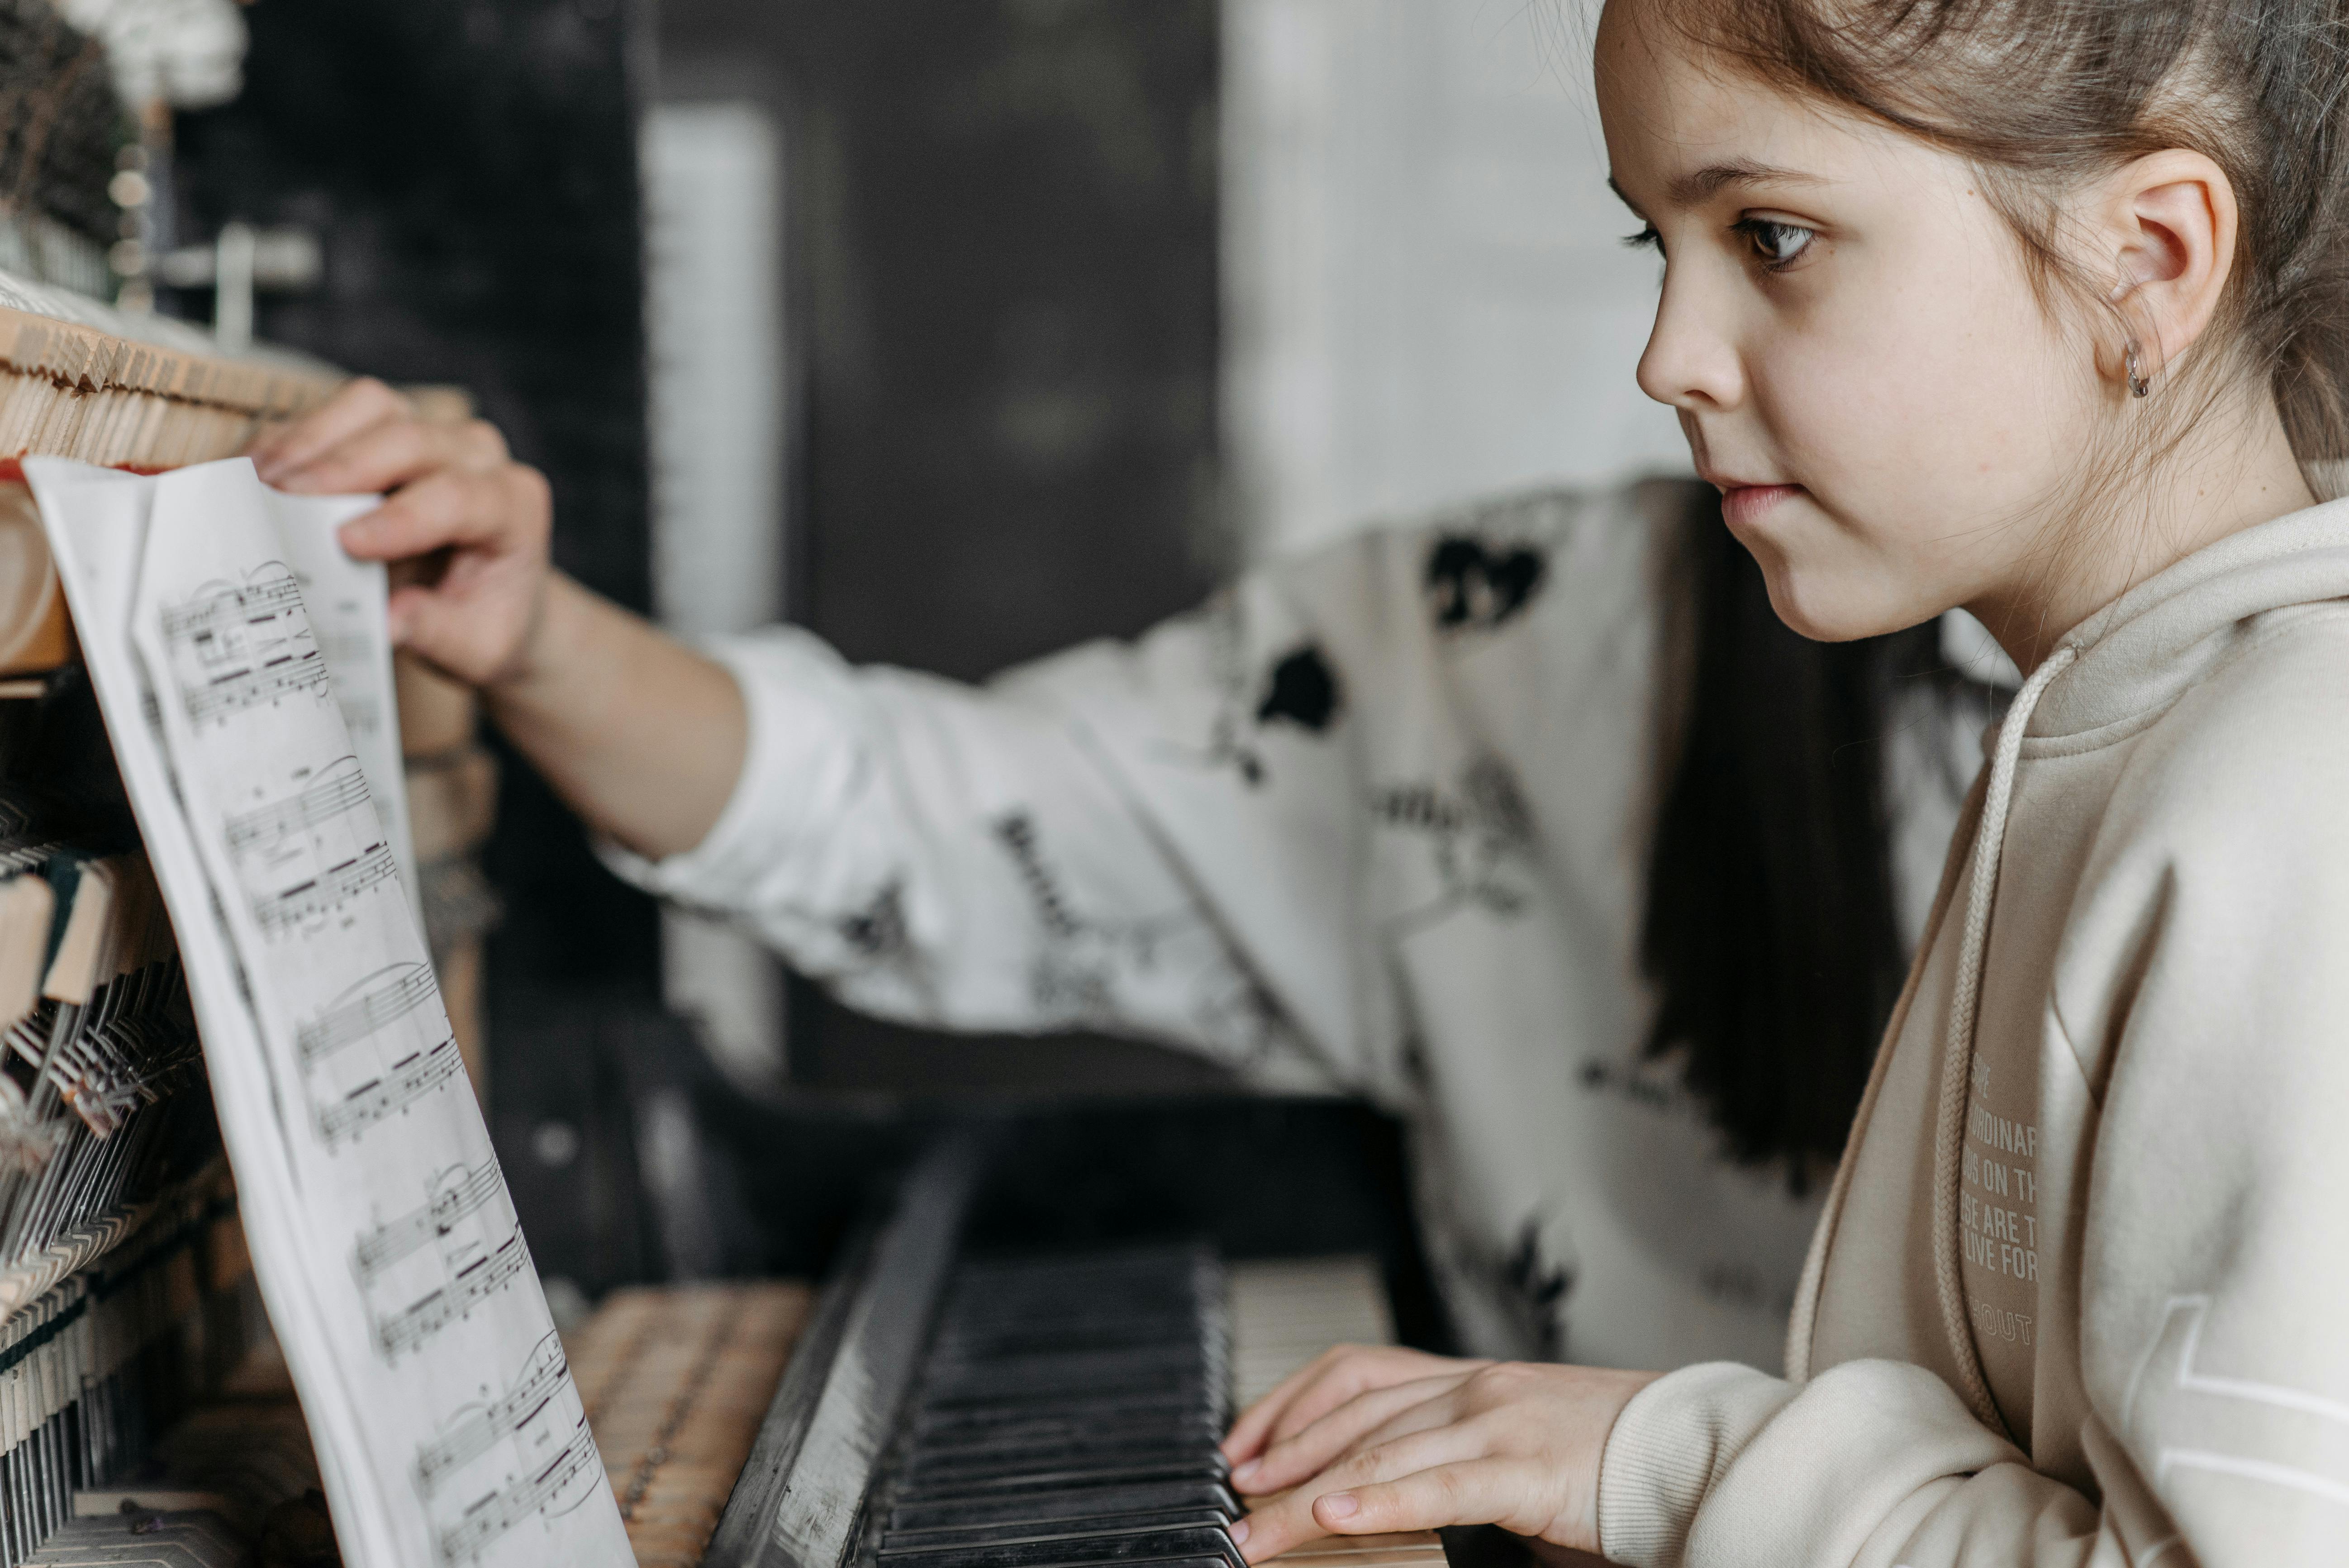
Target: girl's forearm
(638,734)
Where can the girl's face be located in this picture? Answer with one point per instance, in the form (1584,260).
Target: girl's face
(1847,327)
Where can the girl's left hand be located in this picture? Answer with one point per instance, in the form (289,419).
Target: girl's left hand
(1516,1444)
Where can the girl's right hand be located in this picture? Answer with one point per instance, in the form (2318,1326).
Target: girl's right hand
(1289,1434)
(465,525)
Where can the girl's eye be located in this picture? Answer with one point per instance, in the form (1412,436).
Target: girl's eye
(1647,239)
(1776,245)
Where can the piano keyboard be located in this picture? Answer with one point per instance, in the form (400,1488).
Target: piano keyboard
(1067,1413)
(1285,1313)
(1063,1413)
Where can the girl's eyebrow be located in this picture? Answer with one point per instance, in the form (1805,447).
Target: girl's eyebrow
(1702,185)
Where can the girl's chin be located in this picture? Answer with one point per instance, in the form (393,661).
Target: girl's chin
(1816,611)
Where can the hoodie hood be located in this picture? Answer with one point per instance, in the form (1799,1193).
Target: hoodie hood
(2140,653)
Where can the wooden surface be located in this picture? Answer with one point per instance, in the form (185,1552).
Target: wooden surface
(676,1380)
(96,392)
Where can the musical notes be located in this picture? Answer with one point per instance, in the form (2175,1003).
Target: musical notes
(326,893)
(384,1245)
(244,646)
(410,1079)
(476,1434)
(410,986)
(474,1284)
(342,788)
(499,1512)
(287,676)
(272,592)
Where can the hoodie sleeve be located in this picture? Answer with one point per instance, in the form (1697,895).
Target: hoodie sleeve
(1870,1462)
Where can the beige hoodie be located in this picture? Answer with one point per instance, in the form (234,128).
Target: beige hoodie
(2081,1293)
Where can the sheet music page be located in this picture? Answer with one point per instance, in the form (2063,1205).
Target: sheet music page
(382,1234)
(345,599)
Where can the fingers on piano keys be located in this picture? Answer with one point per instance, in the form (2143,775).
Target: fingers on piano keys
(1067,1412)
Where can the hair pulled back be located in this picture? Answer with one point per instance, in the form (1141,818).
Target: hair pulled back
(2043,96)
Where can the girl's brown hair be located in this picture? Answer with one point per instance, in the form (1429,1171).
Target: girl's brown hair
(2044,95)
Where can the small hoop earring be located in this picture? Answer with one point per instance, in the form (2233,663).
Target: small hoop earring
(2134,363)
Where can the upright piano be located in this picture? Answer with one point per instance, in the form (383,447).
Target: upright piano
(1009,1340)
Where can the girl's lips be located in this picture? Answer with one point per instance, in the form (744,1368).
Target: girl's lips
(1744,506)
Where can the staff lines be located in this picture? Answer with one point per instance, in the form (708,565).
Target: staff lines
(341,788)
(387,1244)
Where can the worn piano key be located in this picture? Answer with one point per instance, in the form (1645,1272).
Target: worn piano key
(897,1542)
(1076,1436)
(1067,1502)
(1055,1458)
(1073,1548)
(1184,1396)
(1209,1467)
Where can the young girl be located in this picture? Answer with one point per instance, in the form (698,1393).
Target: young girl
(2036,307)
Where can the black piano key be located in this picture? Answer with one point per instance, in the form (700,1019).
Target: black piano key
(1065,1369)
(1067,1415)
(1192,1392)
(1191,1428)
(1050,1527)
(956,1489)
(1067,1502)
(1048,1457)
(1103,1414)
(1073,1549)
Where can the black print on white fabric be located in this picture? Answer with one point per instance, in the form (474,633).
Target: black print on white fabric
(1480,834)
(1300,689)
(1083,962)
(1652,1084)
(1230,1008)
(1076,973)
(1473,587)
(876,932)
(1541,1287)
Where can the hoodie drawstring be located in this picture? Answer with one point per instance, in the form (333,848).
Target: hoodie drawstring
(1958,1057)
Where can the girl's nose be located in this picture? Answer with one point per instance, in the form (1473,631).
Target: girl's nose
(1688,364)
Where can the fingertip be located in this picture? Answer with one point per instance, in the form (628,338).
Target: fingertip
(402,613)
(1336,1508)
(357,537)
(1239,1532)
(1244,1474)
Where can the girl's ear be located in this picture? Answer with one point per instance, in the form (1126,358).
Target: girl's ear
(2173,220)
